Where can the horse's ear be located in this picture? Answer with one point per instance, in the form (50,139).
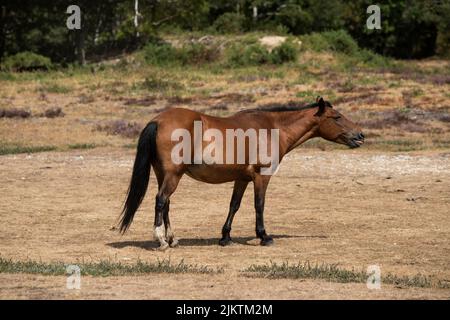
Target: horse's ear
(321,103)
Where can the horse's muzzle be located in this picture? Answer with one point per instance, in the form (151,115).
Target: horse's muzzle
(356,140)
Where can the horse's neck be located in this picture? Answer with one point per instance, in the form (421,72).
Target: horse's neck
(295,128)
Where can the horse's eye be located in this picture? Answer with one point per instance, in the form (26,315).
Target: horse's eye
(336,117)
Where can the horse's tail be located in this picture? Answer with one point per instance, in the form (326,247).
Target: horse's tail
(145,156)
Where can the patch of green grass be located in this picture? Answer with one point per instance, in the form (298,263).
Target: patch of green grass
(394,84)
(310,95)
(331,272)
(347,86)
(15,149)
(103,268)
(82,146)
(7,76)
(130,146)
(416,92)
(400,145)
(306,94)
(155,83)
(54,88)
(369,79)
(443,144)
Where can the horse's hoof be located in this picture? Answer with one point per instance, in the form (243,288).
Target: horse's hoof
(174,243)
(163,247)
(267,241)
(225,242)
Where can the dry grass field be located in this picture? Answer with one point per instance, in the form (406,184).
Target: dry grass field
(67,142)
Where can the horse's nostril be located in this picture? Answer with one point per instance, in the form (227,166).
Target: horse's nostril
(361,136)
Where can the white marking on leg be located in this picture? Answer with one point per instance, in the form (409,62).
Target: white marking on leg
(170,237)
(169,233)
(160,236)
(160,233)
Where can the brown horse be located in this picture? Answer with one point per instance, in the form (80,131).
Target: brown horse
(157,144)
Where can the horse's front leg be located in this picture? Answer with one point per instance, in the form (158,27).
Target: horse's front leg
(260,183)
(236,198)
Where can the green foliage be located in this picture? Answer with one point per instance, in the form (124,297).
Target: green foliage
(103,268)
(241,55)
(229,22)
(373,59)
(164,54)
(297,20)
(341,41)
(159,53)
(255,54)
(331,272)
(443,26)
(54,88)
(286,52)
(338,41)
(82,146)
(15,149)
(152,83)
(409,28)
(197,54)
(26,61)
(315,42)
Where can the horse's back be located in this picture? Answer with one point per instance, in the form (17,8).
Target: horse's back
(185,118)
(178,118)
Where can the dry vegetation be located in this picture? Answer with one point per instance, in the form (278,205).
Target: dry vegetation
(401,108)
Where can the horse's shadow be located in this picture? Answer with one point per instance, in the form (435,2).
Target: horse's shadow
(197,242)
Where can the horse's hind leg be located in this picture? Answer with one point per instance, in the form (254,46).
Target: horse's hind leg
(168,186)
(238,192)
(170,236)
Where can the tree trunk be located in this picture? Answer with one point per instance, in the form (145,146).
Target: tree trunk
(136,16)
(81,54)
(2,32)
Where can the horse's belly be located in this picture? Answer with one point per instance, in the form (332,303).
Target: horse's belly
(218,173)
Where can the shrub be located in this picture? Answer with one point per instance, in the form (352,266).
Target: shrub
(154,82)
(197,53)
(229,22)
(160,53)
(254,54)
(26,61)
(14,113)
(338,41)
(121,127)
(373,59)
(164,54)
(443,36)
(53,113)
(286,52)
(341,41)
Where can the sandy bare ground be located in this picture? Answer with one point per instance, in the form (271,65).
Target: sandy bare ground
(353,208)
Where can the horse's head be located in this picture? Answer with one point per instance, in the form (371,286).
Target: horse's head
(334,126)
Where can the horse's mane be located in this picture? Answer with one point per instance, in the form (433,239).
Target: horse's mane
(290,106)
